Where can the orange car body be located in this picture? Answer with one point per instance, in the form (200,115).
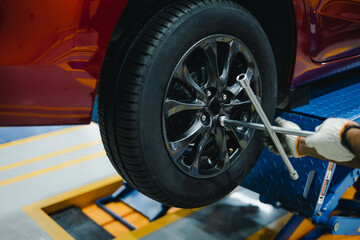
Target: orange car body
(52,52)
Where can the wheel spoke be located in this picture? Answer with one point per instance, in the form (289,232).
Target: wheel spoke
(210,48)
(179,146)
(235,89)
(198,150)
(242,137)
(226,70)
(173,107)
(220,139)
(237,104)
(182,73)
(250,73)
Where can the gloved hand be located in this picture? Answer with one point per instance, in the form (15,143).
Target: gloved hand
(289,142)
(327,140)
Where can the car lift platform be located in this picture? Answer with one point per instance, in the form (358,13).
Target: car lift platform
(317,193)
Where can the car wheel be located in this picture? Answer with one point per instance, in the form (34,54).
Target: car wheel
(159,105)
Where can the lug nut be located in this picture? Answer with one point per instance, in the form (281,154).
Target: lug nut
(222,121)
(224,97)
(203,118)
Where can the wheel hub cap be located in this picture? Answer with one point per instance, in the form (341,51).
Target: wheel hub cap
(214,107)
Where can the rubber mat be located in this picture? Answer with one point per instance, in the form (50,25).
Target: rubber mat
(79,226)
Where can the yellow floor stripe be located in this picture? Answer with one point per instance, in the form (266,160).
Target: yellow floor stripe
(51,169)
(271,230)
(96,190)
(49,155)
(156,225)
(81,197)
(41,136)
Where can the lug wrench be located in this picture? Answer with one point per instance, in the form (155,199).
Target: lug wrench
(289,131)
(245,83)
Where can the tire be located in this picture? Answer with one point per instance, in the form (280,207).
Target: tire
(141,124)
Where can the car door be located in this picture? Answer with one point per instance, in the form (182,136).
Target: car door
(51,53)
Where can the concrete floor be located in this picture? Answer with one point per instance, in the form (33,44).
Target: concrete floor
(36,168)
(239,216)
(47,173)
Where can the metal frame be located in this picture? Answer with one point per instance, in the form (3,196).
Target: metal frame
(142,204)
(315,195)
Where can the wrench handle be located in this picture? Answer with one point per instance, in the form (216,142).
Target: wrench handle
(245,83)
(288,131)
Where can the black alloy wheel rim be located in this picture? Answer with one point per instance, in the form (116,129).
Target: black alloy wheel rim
(203,87)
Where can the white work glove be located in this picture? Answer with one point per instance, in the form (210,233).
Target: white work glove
(289,142)
(327,140)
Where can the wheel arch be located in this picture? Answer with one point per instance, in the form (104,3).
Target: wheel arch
(278,20)
(276,17)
